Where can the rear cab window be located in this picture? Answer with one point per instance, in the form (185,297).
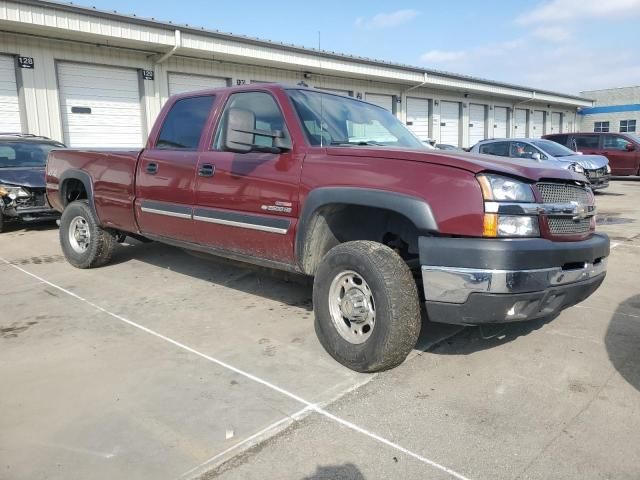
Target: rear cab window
(587,141)
(183,125)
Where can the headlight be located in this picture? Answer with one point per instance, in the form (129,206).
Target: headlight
(504,189)
(608,168)
(576,167)
(13,192)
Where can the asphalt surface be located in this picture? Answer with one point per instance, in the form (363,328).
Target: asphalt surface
(169,365)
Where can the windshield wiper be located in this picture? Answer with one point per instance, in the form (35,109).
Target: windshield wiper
(362,143)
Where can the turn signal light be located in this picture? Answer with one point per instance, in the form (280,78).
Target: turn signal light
(490,228)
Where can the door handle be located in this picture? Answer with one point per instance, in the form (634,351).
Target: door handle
(206,170)
(152,168)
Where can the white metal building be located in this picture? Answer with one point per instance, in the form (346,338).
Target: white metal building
(614,110)
(94,78)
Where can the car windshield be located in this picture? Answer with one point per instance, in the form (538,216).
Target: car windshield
(25,154)
(337,120)
(552,148)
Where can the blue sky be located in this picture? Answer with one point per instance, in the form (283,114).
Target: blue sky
(562,45)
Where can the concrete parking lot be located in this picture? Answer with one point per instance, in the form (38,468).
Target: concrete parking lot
(166,365)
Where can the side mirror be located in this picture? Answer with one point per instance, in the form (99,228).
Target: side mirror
(630,147)
(238,132)
(536,156)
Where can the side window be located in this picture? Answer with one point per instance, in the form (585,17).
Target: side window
(627,126)
(600,127)
(610,142)
(182,128)
(587,141)
(496,148)
(561,139)
(522,150)
(267,113)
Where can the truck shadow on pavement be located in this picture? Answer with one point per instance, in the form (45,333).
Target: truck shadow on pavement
(347,471)
(622,340)
(296,291)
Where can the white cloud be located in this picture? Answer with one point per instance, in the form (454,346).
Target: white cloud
(557,66)
(552,33)
(557,11)
(387,20)
(441,56)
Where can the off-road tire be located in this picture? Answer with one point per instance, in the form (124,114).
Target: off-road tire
(398,320)
(101,243)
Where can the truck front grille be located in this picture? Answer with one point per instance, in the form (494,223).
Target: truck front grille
(565,193)
(568,226)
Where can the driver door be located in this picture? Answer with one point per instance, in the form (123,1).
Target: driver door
(248,202)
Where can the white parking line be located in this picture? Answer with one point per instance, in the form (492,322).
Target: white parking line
(308,405)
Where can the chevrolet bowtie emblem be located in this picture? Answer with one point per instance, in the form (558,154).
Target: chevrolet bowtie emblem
(580,211)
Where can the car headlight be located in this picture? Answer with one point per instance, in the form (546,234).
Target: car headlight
(496,190)
(576,167)
(608,168)
(504,189)
(13,192)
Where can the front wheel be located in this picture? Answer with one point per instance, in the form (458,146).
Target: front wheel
(367,312)
(84,243)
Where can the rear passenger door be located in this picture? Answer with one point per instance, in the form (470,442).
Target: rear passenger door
(588,144)
(165,179)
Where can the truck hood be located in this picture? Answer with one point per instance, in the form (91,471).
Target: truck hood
(474,163)
(31,177)
(589,162)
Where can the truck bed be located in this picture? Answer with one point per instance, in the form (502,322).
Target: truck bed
(110,172)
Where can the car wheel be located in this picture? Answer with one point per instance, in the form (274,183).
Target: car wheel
(84,243)
(367,312)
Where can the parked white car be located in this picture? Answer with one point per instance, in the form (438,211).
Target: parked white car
(594,167)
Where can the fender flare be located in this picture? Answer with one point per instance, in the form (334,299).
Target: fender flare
(415,209)
(85,179)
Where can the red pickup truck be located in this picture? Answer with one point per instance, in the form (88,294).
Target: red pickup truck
(336,188)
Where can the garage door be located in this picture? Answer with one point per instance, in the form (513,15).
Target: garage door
(537,124)
(418,117)
(181,83)
(384,101)
(556,122)
(520,123)
(500,123)
(100,106)
(477,123)
(9,104)
(450,123)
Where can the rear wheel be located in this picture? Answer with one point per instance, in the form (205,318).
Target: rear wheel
(367,312)
(84,243)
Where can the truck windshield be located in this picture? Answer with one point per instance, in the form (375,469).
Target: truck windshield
(329,119)
(25,154)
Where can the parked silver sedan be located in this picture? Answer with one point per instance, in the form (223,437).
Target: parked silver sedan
(594,167)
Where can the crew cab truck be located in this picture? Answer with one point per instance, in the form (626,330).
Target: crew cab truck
(336,188)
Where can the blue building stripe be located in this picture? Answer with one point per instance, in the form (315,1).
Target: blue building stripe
(634,107)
